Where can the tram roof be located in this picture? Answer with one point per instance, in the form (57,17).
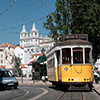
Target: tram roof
(73,39)
(73,42)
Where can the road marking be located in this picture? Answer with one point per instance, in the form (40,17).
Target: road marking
(40,95)
(27,92)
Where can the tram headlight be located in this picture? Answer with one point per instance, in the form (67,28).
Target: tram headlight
(65,68)
(87,79)
(72,79)
(84,79)
(68,79)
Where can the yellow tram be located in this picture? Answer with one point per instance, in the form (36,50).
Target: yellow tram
(69,62)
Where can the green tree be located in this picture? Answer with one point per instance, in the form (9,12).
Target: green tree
(79,16)
(58,22)
(85,16)
(18,71)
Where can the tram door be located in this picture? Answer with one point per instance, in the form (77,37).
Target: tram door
(66,62)
(77,62)
(58,63)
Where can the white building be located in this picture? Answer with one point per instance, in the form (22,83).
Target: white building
(24,56)
(33,42)
(7,56)
(29,49)
(2,58)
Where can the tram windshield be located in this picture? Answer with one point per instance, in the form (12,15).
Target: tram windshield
(77,55)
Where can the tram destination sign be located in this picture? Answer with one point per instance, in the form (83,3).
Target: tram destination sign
(75,36)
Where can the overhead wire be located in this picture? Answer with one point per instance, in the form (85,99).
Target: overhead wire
(24,23)
(8,7)
(33,10)
(25,17)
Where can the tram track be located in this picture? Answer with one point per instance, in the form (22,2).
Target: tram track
(82,96)
(70,95)
(60,97)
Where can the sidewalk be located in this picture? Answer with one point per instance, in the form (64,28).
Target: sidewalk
(29,81)
(97,87)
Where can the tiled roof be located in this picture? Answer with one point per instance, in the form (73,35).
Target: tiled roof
(32,61)
(2,66)
(19,46)
(23,66)
(6,45)
(36,55)
(2,49)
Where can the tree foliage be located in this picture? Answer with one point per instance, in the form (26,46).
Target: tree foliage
(58,22)
(18,70)
(79,16)
(86,20)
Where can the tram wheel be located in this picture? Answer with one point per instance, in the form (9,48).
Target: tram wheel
(90,87)
(66,87)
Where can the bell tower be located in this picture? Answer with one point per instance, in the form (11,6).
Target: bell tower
(23,33)
(34,32)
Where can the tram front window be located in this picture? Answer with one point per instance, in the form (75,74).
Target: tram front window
(66,55)
(77,55)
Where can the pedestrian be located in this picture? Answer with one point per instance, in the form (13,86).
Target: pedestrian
(95,72)
(99,69)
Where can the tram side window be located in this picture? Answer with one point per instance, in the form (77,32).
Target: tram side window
(51,63)
(87,55)
(66,55)
(77,55)
(58,56)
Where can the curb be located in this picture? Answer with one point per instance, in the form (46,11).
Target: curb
(35,84)
(97,91)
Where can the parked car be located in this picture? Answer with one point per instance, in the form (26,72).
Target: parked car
(7,79)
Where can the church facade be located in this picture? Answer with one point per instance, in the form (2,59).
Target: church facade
(33,43)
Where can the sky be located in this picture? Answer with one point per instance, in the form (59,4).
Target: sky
(15,13)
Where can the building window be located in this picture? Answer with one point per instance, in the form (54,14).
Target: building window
(31,49)
(1,61)
(1,56)
(27,49)
(35,34)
